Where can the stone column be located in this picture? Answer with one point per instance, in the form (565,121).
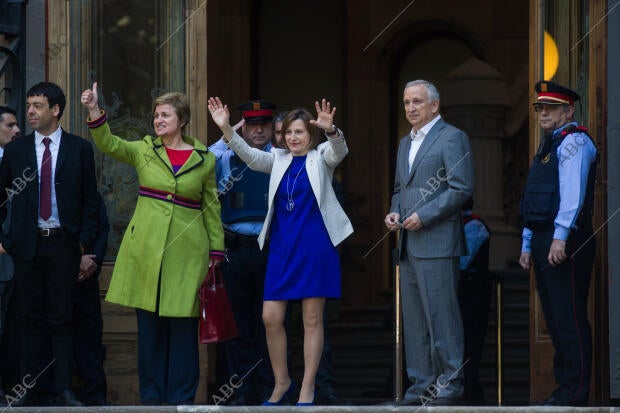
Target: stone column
(475,99)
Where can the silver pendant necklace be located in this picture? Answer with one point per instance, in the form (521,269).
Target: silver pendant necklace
(290,203)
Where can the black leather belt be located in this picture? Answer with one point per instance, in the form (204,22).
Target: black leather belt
(50,232)
(234,240)
(539,227)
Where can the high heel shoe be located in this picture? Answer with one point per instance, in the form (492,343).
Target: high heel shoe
(307,403)
(285,399)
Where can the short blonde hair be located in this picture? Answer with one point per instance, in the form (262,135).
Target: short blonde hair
(179,102)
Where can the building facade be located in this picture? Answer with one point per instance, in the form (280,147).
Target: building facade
(484,56)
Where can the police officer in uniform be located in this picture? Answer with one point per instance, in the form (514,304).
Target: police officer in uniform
(557,237)
(244,195)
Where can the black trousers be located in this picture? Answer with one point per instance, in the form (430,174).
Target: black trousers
(45,287)
(244,277)
(563,292)
(168,365)
(475,291)
(89,351)
(9,342)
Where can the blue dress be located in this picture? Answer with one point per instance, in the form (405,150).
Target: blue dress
(303,262)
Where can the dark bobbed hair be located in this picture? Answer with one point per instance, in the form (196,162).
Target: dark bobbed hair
(53,93)
(305,116)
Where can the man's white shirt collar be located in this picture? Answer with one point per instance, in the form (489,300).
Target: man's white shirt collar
(54,136)
(424,129)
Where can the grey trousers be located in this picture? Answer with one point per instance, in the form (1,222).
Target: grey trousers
(433,329)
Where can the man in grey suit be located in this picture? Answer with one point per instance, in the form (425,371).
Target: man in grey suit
(434,177)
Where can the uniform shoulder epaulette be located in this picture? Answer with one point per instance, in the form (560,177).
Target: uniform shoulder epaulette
(572,129)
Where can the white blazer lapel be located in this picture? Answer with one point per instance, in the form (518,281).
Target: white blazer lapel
(280,167)
(312,168)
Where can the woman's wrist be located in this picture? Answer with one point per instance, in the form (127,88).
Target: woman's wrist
(332,132)
(94,113)
(96,119)
(227,132)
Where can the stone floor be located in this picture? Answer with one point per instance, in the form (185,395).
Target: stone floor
(315,409)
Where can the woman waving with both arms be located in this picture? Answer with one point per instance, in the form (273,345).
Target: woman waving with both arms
(305,223)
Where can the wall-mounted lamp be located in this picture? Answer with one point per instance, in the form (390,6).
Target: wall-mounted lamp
(551,57)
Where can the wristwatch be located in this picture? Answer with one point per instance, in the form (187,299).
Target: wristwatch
(334,132)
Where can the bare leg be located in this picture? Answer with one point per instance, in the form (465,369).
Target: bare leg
(273,317)
(312,309)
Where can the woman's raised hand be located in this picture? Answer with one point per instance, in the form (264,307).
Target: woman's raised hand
(90,98)
(219,114)
(324,115)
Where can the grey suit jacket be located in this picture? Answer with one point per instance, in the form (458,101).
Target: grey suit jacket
(440,181)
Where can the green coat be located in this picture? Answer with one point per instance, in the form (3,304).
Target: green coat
(165,242)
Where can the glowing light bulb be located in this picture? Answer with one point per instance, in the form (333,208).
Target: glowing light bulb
(551,57)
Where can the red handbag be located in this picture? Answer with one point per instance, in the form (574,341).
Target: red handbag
(217,322)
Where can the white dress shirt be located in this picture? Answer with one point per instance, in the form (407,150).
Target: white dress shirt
(54,219)
(418,137)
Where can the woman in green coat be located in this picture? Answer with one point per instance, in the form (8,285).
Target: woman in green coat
(173,237)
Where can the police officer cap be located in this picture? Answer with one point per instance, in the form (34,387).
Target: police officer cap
(550,93)
(257,111)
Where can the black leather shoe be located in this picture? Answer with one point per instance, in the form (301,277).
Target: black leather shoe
(96,402)
(242,400)
(446,401)
(327,399)
(410,402)
(551,401)
(25,401)
(557,401)
(68,398)
(404,402)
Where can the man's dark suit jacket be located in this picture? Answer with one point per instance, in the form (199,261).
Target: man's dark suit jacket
(76,194)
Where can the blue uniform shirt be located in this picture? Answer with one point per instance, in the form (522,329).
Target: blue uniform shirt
(576,154)
(475,235)
(225,178)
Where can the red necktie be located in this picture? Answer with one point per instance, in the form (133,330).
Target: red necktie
(45,193)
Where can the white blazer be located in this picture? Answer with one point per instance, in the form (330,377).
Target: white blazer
(320,165)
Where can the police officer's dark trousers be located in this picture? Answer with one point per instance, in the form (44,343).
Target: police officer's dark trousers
(244,277)
(563,292)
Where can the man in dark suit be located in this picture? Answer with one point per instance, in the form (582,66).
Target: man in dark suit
(434,177)
(9,131)
(49,177)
